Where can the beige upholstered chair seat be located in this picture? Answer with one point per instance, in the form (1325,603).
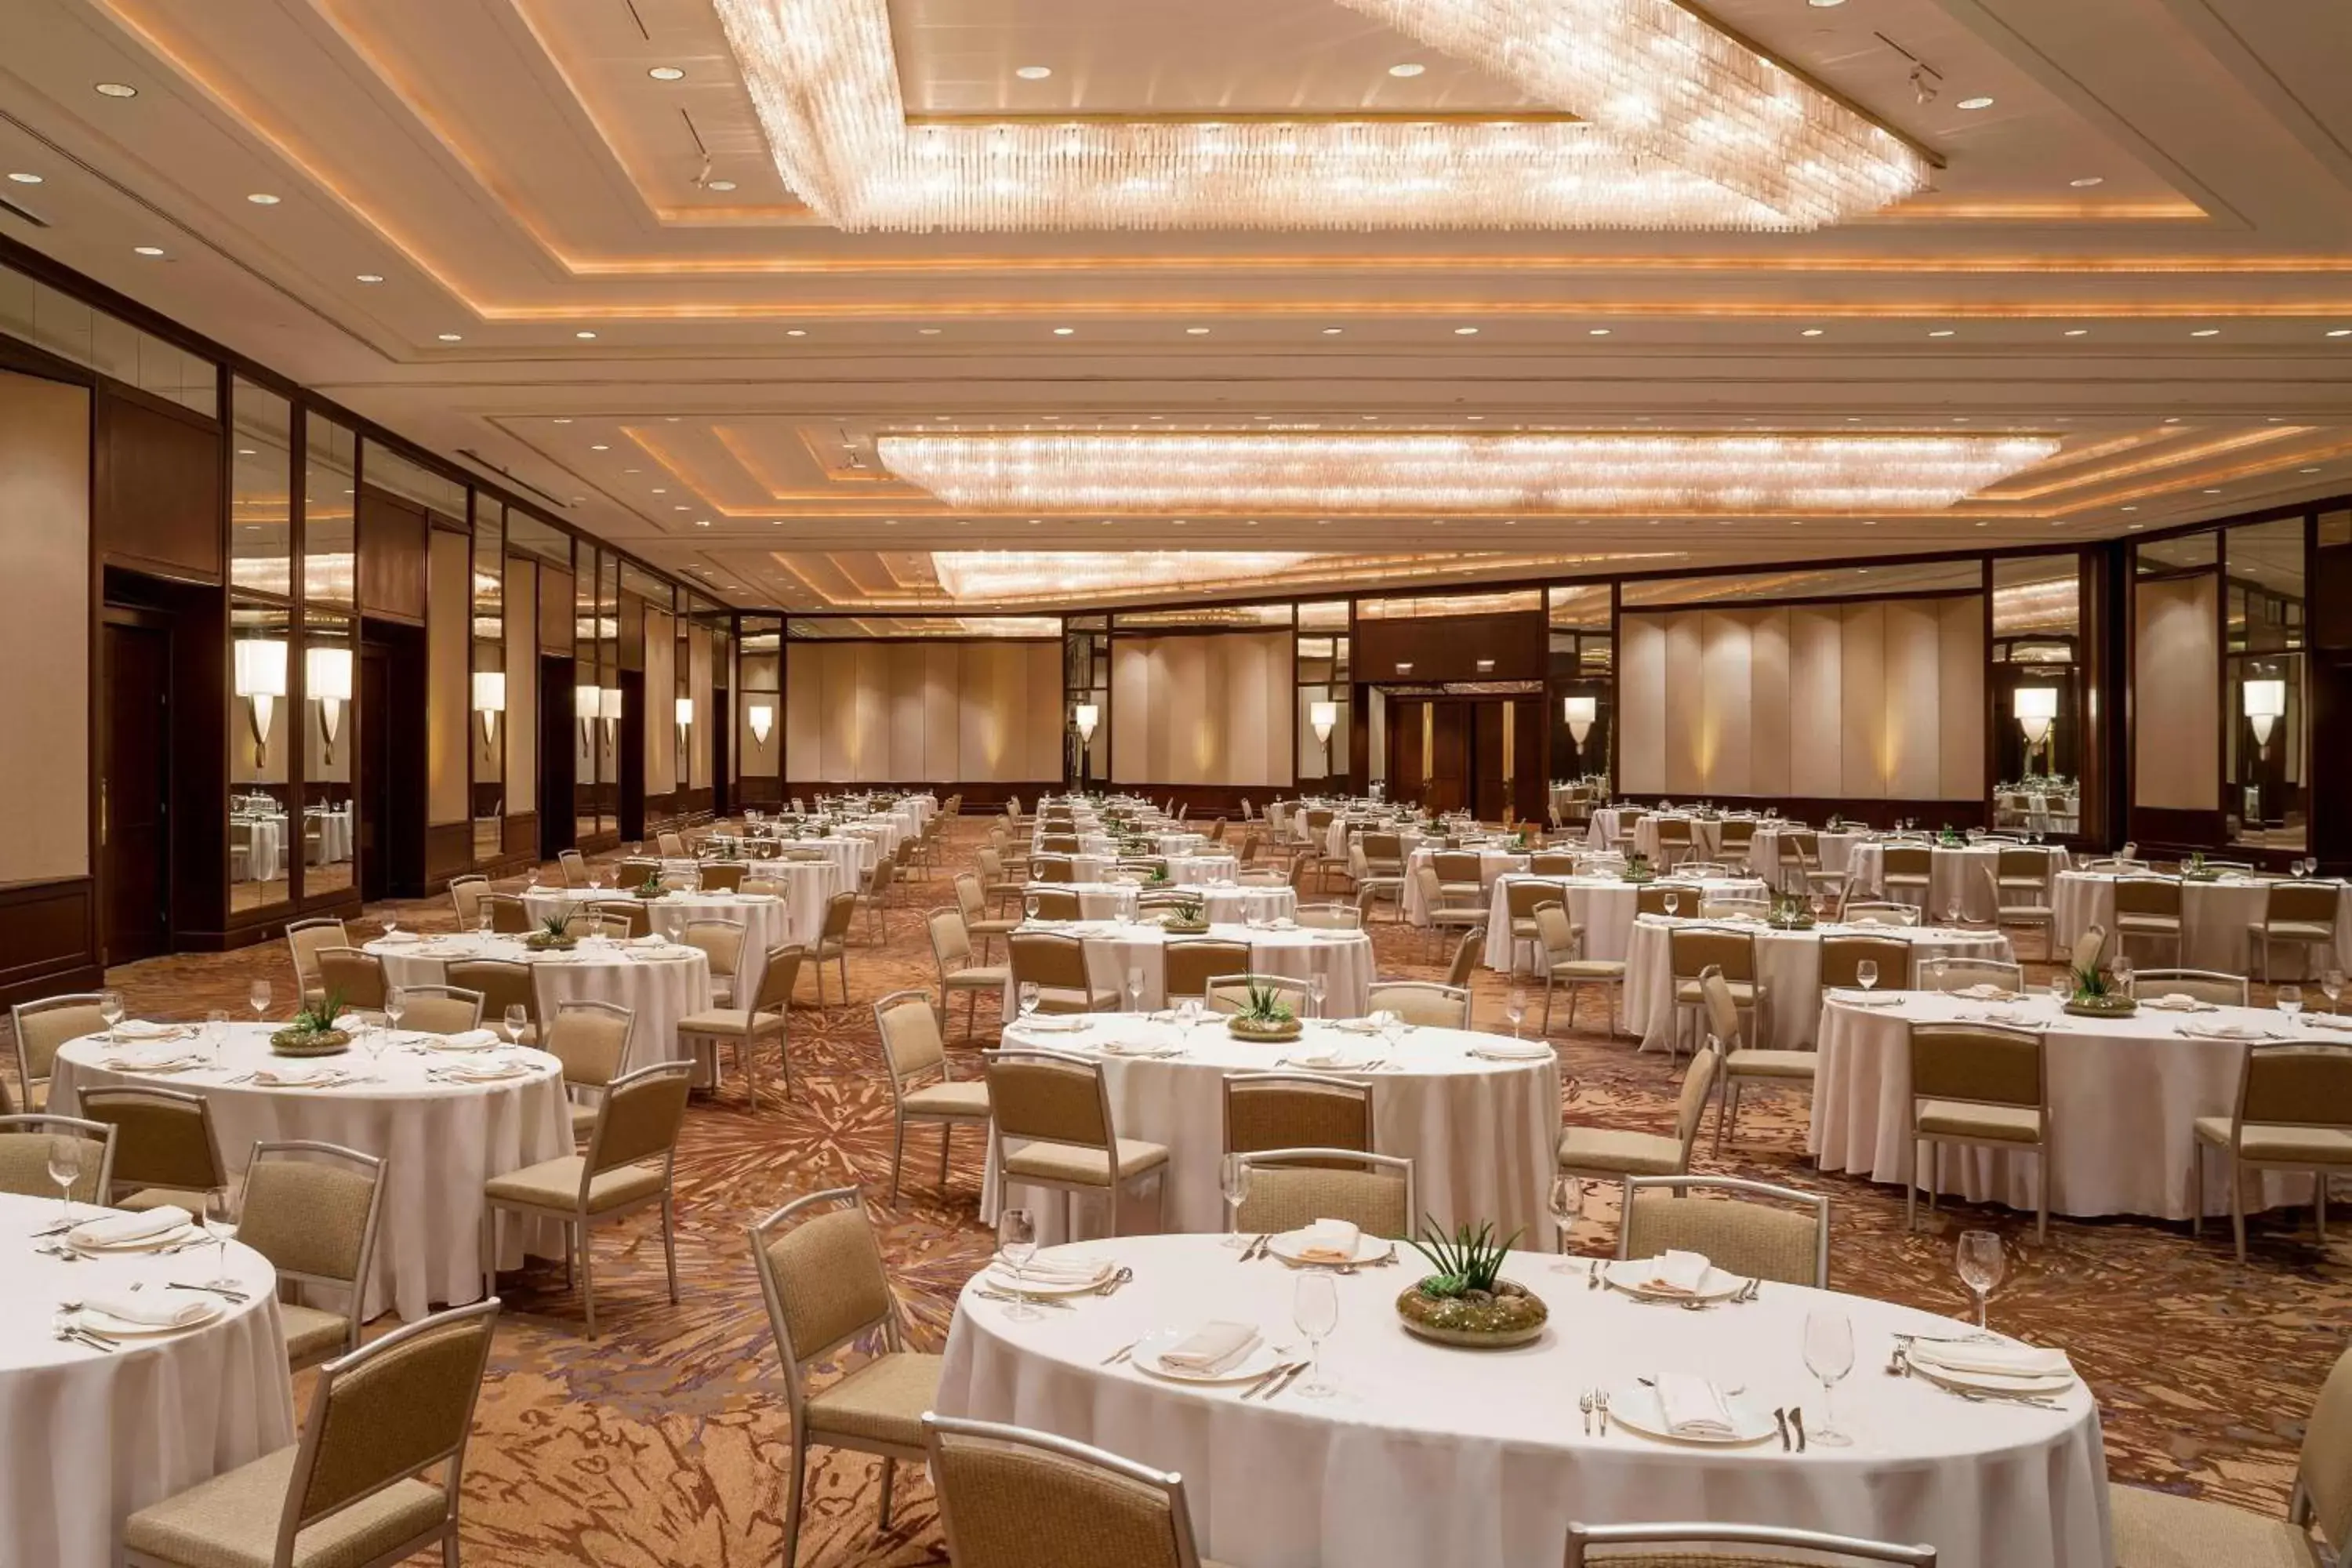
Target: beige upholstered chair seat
(1615,1148)
(231,1521)
(978,977)
(1071,1163)
(1688,993)
(883,1399)
(2294,930)
(2158,1530)
(724,1021)
(1960,1118)
(2169,924)
(555,1184)
(1771,1064)
(2318,1145)
(583,1119)
(156,1198)
(1588,969)
(311,1333)
(950,1098)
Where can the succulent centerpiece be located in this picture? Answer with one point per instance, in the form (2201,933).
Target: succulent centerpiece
(2096,995)
(651,887)
(1790,912)
(312,1032)
(1158,878)
(1951,837)
(1467,1302)
(2195,869)
(1263,1016)
(552,935)
(1187,919)
(1638,868)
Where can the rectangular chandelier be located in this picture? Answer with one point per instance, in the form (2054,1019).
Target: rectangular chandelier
(1013,575)
(1293,473)
(1679,126)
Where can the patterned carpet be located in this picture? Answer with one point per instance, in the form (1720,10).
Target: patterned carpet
(664,1443)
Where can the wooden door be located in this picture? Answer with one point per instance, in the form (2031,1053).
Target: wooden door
(375,773)
(135,785)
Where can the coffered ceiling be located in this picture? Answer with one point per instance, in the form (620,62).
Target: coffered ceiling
(549,238)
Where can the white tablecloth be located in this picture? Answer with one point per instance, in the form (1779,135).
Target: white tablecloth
(91,1438)
(335,835)
(1478,1460)
(264,862)
(2213,920)
(1492,864)
(1223,906)
(1707,835)
(1956,874)
(1481,1134)
(1836,851)
(853,857)
(1344,959)
(768,921)
(441,1143)
(1790,965)
(2124,1094)
(1604,906)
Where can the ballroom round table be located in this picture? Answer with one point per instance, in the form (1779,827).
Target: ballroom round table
(852,857)
(1706,833)
(1494,863)
(1479,1459)
(1787,962)
(767,921)
(440,1139)
(1958,874)
(91,1438)
(1184,870)
(1223,905)
(2124,1094)
(2213,920)
(1344,958)
(1604,906)
(1481,1131)
(264,842)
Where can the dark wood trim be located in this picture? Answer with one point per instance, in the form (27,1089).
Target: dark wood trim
(448,852)
(48,938)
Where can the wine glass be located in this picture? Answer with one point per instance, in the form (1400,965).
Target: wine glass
(2290,1000)
(396,1003)
(1981,1262)
(1866,973)
(391,927)
(2061,988)
(1514,1007)
(1029,906)
(518,1019)
(1828,1356)
(1317,986)
(1567,1208)
(1017,1240)
(2331,985)
(1390,1025)
(375,1035)
(1953,914)
(1134,988)
(1315,1311)
(1234,1176)
(1673,903)
(1029,995)
(1938,967)
(110,1008)
(2122,972)
(257,997)
(216,1032)
(65,1170)
(220,1225)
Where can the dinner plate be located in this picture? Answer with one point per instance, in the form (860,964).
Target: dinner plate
(452,1043)
(1327,1061)
(1289,1244)
(1624,1273)
(1260,1361)
(100,1321)
(1000,1277)
(1992,1382)
(1512,1050)
(2229,1034)
(1055,1024)
(1636,1405)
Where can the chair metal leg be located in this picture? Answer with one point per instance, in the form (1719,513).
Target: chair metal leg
(669,1244)
(2238,1202)
(947,1133)
(898,1156)
(1546,1018)
(2197,1194)
(889,1474)
(795,1489)
(587,1277)
(489,1251)
(1911,1189)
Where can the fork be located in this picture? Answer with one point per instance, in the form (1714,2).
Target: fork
(1584,1404)
(1600,1403)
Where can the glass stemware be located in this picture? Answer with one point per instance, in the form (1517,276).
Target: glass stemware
(1828,1356)
(1514,1007)
(2331,985)
(220,1225)
(216,1032)
(1866,973)
(257,997)
(1017,1240)
(2290,1000)
(396,1003)
(2122,972)
(1135,988)
(1315,1311)
(1673,903)
(518,1019)
(1029,996)
(65,1170)
(1317,983)
(1234,1176)
(1566,1207)
(1981,1264)
(110,1008)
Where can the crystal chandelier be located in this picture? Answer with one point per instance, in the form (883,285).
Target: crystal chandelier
(1000,575)
(1679,126)
(1436,472)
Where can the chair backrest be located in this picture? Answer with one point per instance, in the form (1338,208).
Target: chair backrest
(1054,903)
(1459,866)
(723,876)
(2159,895)
(1191,963)
(2205,985)
(1521,895)
(991,864)
(441,1009)
(357,977)
(1016,1498)
(1466,955)
(720,943)
(1982,1064)
(591,1039)
(163,1138)
(1552,863)
(1910,860)
(313,1209)
(575,866)
(911,1046)
(466,897)
(1811,1546)
(1878,912)
(1058,843)
(1690,1105)
(1650,899)
(1674,830)
(40,1027)
(2296,1085)
(500,983)
(1737,833)
(386,1412)
(822,1274)
(631,914)
(1962,973)
(1384,850)
(638,1119)
(1739,1236)
(1722,1007)
(25,1141)
(840,913)
(2324,1481)
(590,922)
(1295,1111)
(1426,1004)
(633,871)
(778,975)
(1555,932)
(950,943)
(1039,1096)
(2088,946)
(509,916)
(1693,948)
(2301,904)
(970,899)
(1289,1188)
(1230,993)
(1800,845)
(2014,867)
(1053,960)
(670,844)
(1328,917)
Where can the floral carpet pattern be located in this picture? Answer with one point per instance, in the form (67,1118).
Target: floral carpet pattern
(665,1442)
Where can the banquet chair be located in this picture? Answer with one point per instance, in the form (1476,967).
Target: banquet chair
(2088,947)
(1941,974)
(2301,914)
(1052,868)
(1266,1111)
(632,871)
(720,943)
(1145,868)
(26,1141)
(1001,1490)
(1057,964)
(592,923)
(630,1165)
(1552,863)
(1191,964)
(502,983)
(2164,1530)
(1727,905)
(1461,874)
(1373,887)
(444,1009)
(977,921)
(670,844)
(591,1039)
(1813,1548)
(354,977)
(767,1012)
(2294,1113)
(351,1490)
(165,1148)
(1290,1189)
(833,942)
(38,1028)
(1983,1086)
(1739,1063)
(1751,1238)
(916,1056)
(1675,843)
(1700,870)
(575,866)
(1520,897)
(1229,993)
(1737,837)
(1057,843)
(313,1210)
(1612,1152)
(1050,1127)
(1691,950)
(630,912)
(1650,899)
(1261,876)
(1383,854)
(466,894)
(1467,950)
(2022,893)
(951,952)
(1907,871)
(2204,985)
(1328,917)
(1880,912)
(1423,1004)
(1440,912)
(1054,903)
(2149,908)
(1559,943)
(2114,865)
(723,876)
(821,1277)
(1168,900)
(304,938)
(509,916)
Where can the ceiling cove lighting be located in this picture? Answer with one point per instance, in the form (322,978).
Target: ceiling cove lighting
(989,574)
(1431,472)
(1678,126)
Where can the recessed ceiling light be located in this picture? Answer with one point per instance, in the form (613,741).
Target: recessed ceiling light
(25,179)
(2339,331)
(1596,331)
(600,447)
(699,522)
(262,199)
(1064,332)
(452,337)
(719,185)
(1466,331)
(2310,470)
(371,277)
(1333,331)
(117,89)
(584,335)
(927,331)
(666,73)
(1811,332)
(2078,331)
(795,332)
(1826,4)
(1941,332)
(1196,331)
(2087,181)
(1407,68)
(1974,103)
(1033,73)
(2206,332)
(147,250)
(2173,419)
(2136,526)
(2216,491)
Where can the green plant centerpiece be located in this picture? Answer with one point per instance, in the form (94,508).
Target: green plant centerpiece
(1790,912)
(1951,837)
(552,935)
(312,1031)
(1466,1301)
(1158,878)
(1263,1016)
(1638,868)
(651,887)
(2195,869)
(1187,919)
(2097,996)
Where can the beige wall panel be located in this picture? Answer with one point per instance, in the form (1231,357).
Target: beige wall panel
(2177,695)
(44,723)
(1131,711)
(660,736)
(1043,709)
(706,717)
(800,724)
(838,718)
(448,620)
(1686,700)
(1642,703)
(1913,715)
(1816,700)
(1197,709)
(1960,752)
(907,670)
(1725,739)
(1862,679)
(989,698)
(1770,738)
(942,728)
(518,726)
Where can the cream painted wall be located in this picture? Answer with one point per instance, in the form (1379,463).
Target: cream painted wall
(916,711)
(1881,700)
(1211,710)
(699,749)
(2177,683)
(45,761)
(660,737)
(448,676)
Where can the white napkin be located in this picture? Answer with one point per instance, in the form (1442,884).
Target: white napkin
(297,1077)
(116,1229)
(1693,1407)
(175,1061)
(398,938)
(1985,991)
(464,1040)
(2329,1020)
(2178,1002)
(1998,1360)
(1079,1270)
(1673,1273)
(2230,1032)
(1211,1349)
(146,1029)
(161,1311)
(655,940)
(485,1072)
(1327,1241)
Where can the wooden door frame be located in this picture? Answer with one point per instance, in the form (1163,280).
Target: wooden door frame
(165,627)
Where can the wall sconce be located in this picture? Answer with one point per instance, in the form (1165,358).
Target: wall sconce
(1324,717)
(327,677)
(608,708)
(1086,716)
(489,701)
(2265,705)
(685,718)
(587,706)
(1580,712)
(261,681)
(2036,711)
(1405,666)
(763,719)
(1486,666)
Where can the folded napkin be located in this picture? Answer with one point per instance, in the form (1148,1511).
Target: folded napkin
(1693,1407)
(297,1077)
(1353,1026)
(1994,1359)
(2329,1020)
(1327,1241)
(117,1229)
(400,938)
(2010,1018)
(1985,991)
(1285,923)
(2230,1032)
(1211,1349)
(483,1072)
(656,940)
(1672,1274)
(2178,1002)
(181,1061)
(464,1040)
(1506,1050)
(1080,1269)
(146,1029)
(161,1311)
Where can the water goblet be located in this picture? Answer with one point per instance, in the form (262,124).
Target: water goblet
(391,927)
(2290,1000)
(517,1020)
(65,1170)
(1135,988)
(110,1008)
(1234,1176)
(220,1225)
(1514,1007)
(1028,996)
(1866,973)
(1981,1262)
(1673,903)
(1016,1240)
(1029,906)
(257,997)
(2123,973)
(1828,1356)
(1566,1207)
(1317,983)
(216,1032)
(1315,1311)
(396,1003)
(2331,985)
(2061,988)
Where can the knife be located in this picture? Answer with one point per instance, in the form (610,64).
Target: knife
(1797,1419)
(1267,1378)
(1283,1382)
(1781,1416)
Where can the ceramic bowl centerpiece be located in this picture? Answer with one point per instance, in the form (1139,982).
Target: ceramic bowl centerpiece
(651,887)
(1638,869)
(2097,996)
(1467,1302)
(552,935)
(312,1032)
(1790,912)
(2195,869)
(1264,1018)
(1187,919)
